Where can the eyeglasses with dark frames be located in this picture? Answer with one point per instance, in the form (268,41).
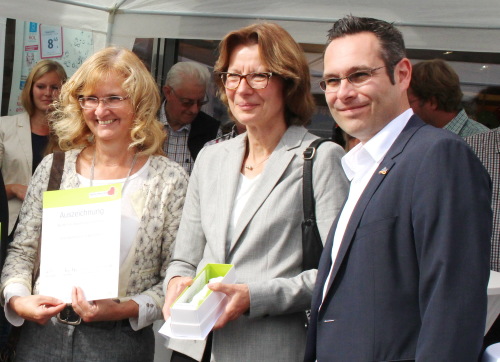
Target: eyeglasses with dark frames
(357,78)
(254,80)
(188,102)
(108,102)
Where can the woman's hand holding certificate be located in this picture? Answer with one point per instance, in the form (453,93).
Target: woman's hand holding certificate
(102,310)
(36,308)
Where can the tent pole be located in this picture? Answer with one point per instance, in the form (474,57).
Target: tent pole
(111,21)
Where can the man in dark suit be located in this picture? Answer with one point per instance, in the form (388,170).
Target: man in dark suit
(188,127)
(405,269)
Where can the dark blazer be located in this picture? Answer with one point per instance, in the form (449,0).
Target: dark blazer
(410,279)
(203,129)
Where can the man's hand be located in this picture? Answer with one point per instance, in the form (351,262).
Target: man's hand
(237,304)
(175,287)
(36,308)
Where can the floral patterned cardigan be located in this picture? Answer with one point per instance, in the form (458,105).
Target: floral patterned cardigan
(161,199)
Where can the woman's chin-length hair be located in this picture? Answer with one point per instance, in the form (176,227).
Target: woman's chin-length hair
(282,56)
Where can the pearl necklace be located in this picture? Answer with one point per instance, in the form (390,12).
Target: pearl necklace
(128,175)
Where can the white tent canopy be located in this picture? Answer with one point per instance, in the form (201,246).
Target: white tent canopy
(456,25)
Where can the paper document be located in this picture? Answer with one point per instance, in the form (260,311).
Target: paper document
(81,242)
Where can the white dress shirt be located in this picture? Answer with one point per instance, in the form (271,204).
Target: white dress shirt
(359,164)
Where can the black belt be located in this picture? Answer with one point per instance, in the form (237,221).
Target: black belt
(69,316)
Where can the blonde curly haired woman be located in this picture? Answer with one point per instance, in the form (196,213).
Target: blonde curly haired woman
(106,122)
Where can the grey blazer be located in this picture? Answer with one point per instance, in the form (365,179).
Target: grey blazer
(266,247)
(16,157)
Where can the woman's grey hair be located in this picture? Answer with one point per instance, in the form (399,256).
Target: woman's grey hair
(191,71)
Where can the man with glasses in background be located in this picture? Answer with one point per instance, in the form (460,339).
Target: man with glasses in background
(404,271)
(188,128)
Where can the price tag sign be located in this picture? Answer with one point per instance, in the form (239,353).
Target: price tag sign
(51,41)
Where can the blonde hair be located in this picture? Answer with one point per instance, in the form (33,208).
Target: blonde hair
(67,120)
(281,54)
(39,70)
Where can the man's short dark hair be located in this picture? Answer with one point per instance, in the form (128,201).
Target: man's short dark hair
(391,39)
(436,79)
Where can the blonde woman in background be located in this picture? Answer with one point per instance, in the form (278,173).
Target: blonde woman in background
(25,136)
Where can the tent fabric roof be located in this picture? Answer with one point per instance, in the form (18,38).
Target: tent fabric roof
(456,25)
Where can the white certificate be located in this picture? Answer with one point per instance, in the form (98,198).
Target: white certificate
(81,242)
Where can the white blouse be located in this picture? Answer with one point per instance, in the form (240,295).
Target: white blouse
(246,187)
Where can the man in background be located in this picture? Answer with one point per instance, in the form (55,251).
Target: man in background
(436,97)
(235,130)
(487,148)
(486,145)
(188,128)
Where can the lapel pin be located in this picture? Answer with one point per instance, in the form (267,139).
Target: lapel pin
(383,171)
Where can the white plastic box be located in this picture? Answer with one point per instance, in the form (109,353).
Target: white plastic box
(195,321)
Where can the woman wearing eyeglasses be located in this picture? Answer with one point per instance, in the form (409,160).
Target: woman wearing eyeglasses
(106,122)
(244,203)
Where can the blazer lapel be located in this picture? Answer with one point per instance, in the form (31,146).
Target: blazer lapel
(23,130)
(275,167)
(384,168)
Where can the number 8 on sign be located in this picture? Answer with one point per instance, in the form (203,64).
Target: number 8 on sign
(51,45)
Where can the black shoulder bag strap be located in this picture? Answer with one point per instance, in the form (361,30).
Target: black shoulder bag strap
(311,239)
(56,171)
